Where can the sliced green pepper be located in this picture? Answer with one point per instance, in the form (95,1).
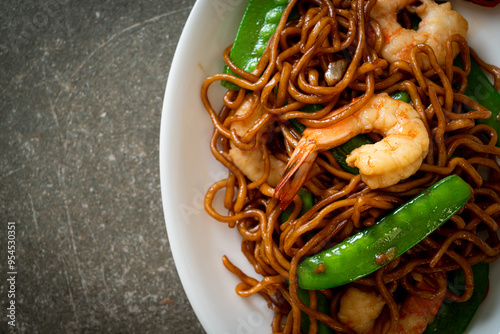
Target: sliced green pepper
(481,90)
(258,24)
(394,234)
(455,317)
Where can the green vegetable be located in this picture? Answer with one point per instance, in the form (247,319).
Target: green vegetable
(322,303)
(453,317)
(258,24)
(481,90)
(401,96)
(322,306)
(308,108)
(394,234)
(307,203)
(342,151)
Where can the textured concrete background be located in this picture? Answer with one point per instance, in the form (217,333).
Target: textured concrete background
(82,84)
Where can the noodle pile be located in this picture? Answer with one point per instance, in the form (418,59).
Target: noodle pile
(291,75)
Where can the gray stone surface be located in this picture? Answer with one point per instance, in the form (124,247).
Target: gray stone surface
(82,85)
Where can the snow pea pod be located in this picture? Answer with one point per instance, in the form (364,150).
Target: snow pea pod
(258,24)
(308,108)
(322,303)
(322,306)
(480,89)
(455,317)
(375,246)
(307,203)
(401,96)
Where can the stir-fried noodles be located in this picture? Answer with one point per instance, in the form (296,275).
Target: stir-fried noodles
(331,56)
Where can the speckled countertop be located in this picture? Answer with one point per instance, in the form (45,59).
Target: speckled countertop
(82,85)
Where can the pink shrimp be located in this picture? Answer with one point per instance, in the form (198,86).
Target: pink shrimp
(438,22)
(416,313)
(359,310)
(397,156)
(250,162)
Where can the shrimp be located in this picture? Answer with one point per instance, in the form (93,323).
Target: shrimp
(397,156)
(416,312)
(359,309)
(251,162)
(438,22)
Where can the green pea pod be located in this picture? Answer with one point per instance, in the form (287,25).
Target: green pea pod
(401,96)
(455,317)
(342,151)
(322,306)
(258,24)
(307,203)
(481,90)
(308,108)
(375,246)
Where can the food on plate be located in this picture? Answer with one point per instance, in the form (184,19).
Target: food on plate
(361,143)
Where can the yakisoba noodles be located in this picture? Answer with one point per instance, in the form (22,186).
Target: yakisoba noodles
(254,139)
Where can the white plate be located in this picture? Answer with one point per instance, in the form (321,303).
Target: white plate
(187,169)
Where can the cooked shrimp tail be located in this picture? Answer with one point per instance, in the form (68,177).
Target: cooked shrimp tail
(305,153)
(296,172)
